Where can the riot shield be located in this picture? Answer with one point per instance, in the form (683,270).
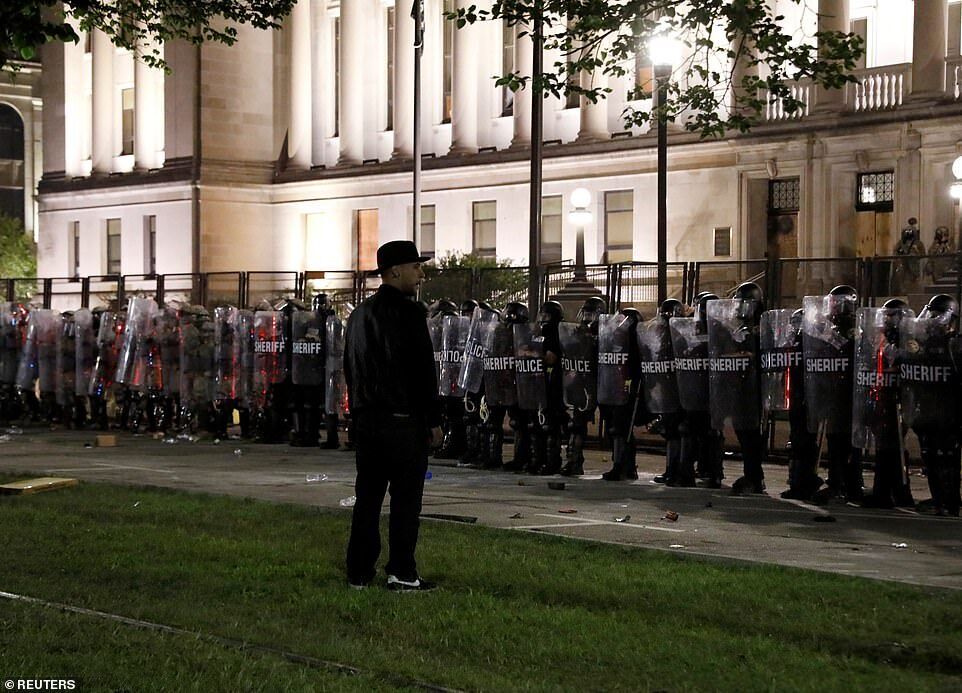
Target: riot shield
(436,330)
(196,346)
(139,312)
(529,367)
(335,393)
(734,392)
(471,375)
(148,373)
(690,348)
(85,355)
(658,367)
(38,360)
(308,353)
(168,337)
(228,354)
(929,381)
(781,356)
(876,395)
(66,360)
(109,340)
(246,357)
(614,375)
(270,364)
(579,361)
(9,344)
(454,337)
(499,387)
(828,354)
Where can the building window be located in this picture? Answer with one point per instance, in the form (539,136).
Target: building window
(484,228)
(783,195)
(113,246)
(619,222)
(425,241)
(859,27)
(551,215)
(127,121)
(723,241)
(74,241)
(876,192)
(508,40)
(448,29)
(390,68)
(150,244)
(337,76)
(954,44)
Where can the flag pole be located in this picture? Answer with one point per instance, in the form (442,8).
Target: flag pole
(417,13)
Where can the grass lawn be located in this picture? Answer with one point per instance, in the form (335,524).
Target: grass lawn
(515,611)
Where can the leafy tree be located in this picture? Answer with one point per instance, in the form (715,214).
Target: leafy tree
(458,276)
(138,25)
(18,252)
(597,34)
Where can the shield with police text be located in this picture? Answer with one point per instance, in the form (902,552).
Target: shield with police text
(436,331)
(335,391)
(829,351)
(690,348)
(734,390)
(781,360)
(471,375)
(614,352)
(499,372)
(529,367)
(929,380)
(579,361)
(454,337)
(308,351)
(86,350)
(875,419)
(657,362)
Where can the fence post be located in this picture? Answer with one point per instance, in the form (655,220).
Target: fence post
(159,292)
(121,293)
(85,292)
(958,278)
(47,292)
(202,289)
(243,286)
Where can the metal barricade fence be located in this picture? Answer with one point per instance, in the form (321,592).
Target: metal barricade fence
(723,277)
(180,288)
(62,293)
(339,285)
(796,278)
(269,287)
(104,291)
(222,289)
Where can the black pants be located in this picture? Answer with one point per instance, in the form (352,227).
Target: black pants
(392,454)
(753,453)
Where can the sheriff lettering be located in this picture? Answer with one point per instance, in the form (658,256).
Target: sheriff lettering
(692,365)
(308,348)
(577,365)
(499,363)
(268,347)
(837,364)
(874,379)
(780,360)
(731,364)
(657,367)
(927,374)
(607,358)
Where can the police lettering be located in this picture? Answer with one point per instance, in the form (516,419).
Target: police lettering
(268,347)
(606,358)
(927,374)
(657,367)
(577,365)
(831,365)
(780,360)
(731,364)
(452,356)
(694,365)
(876,379)
(499,363)
(475,350)
(529,365)
(308,348)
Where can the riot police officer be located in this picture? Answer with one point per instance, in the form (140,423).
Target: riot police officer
(515,316)
(618,379)
(471,381)
(579,345)
(547,434)
(661,390)
(930,386)
(308,370)
(454,338)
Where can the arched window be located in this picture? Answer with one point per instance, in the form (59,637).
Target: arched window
(11,133)
(11,163)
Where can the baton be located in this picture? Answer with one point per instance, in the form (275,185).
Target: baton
(903,461)
(821,439)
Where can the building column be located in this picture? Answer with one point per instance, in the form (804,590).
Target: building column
(148,111)
(523,55)
(102,102)
(594,116)
(299,133)
(464,107)
(403,83)
(929,39)
(832,16)
(353,80)
(741,69)
(73,105)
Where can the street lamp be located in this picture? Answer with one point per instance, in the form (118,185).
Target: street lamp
(665,52)
(580,217)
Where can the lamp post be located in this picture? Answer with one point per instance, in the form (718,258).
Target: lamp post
(579,288)
(664,51)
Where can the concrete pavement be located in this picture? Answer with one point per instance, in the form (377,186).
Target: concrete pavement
(897,545)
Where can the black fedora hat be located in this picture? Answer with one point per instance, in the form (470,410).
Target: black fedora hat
(397,253)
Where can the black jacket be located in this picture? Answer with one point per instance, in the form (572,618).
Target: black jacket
(389,359)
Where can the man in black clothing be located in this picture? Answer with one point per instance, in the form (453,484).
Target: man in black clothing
(393,394)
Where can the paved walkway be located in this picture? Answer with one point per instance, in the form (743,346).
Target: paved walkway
(891,545)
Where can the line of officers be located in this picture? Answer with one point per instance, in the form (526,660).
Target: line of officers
(849,380)
(178,368)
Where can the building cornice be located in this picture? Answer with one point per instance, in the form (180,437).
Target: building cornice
(174,170)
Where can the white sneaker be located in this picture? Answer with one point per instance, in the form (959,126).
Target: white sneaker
(396,584)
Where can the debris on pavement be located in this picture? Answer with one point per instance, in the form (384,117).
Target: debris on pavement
(567,511)
(624,518)
(348,502)
(670,515)
(313,478)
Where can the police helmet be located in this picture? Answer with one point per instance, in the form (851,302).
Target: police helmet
(484,305)
(633,314)
(444,306)
(467,307)
(551,313)
(942,307)
(591,309)
(515,313)
(798,316)
(841,300)
(671,308)
(701,307)
(890,316)
(320,302)
(751,301)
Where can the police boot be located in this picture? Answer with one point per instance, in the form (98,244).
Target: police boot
(330,426)
(493,458)
(853,478)
(575,458)
(631,451)
(616,473)
(299,430)
(676,475)
(539,451)
(472,449)
(522,451)
(553,450)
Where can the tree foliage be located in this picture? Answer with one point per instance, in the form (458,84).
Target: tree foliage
(458,276)
(138,25)
(704,91)
(18,252)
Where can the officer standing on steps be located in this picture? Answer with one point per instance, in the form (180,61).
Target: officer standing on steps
(930,385)
(579,344)
(393,393)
